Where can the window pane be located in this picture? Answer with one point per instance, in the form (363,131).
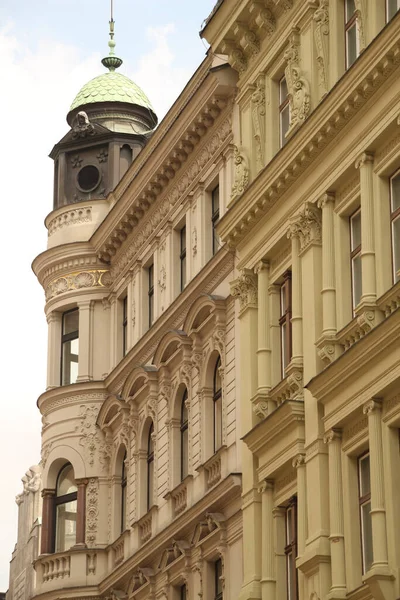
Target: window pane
(71,322)
(70,356)
(396,248)
(366,534)
(356,231)
(183,272)
(395,192)
(392,8)
(66,481)
(351,45)
(217,423)
(215,201)
(150,484)
(283,90)
(184,450)
(218,580)
(66,525)
(357,280)
(285,120)
(350,9)
(365,481)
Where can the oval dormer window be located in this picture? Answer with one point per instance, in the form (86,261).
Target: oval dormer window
(88,178)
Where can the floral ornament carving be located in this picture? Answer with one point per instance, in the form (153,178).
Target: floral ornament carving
(92,511)
(241,174)
(298,86)
(194,241)
(46,449)
(102,156)
(162,279)
(307,226)
(258,117)
(76,161)
(219,343)
(87,429)
(245,288)
(321,37)
(75,281)
(165,391)
(186,374)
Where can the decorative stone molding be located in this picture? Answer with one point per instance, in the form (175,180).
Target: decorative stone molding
(321,37)
(179,498)
(367,319)
(290,388)
(372,405)
(71,217)
(307,226)
(331,435)
(138,226)
(361,16)
(245,288)
(46,449)
(88,431)
(299,461)
(241,174)
(264,18)
(355,429)
(57,566)
(298,86)
(92,511)
(236,57)
(76,281)
(258,117)
(248,39)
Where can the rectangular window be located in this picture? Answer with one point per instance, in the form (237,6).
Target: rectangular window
(355,257)
(70,347)
(395,224)
(218,579)
(285,322)
(284,111)
(151,294)
(291,549)
(182,257)
(392,6)
(364,501)
(351,33)
(124,325)
(214,218)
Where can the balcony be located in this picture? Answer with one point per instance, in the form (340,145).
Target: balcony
(73,569)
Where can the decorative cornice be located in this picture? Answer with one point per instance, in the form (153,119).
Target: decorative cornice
(76,281)
(379,60)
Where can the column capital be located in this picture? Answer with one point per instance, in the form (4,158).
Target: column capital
(84,481)
(298,461)
(375,404)
(54,317)
(48,492)
(326,199)
(266,485)
(364,159)
(245,288)
(85,304)
(262,265)
(306,226)
(332,435)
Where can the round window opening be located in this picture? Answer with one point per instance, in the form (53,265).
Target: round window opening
(89,178)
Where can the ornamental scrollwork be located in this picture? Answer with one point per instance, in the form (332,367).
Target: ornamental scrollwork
(298,86)
(76,281)
(321,37)
(92,511)
(241,174)
(258,117)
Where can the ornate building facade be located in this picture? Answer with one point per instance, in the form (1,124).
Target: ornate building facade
(222,411)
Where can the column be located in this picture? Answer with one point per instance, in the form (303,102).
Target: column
(81,512)
(268,582)
(297,325)
(54,320)
(85,367)
(378,514)
(299,464)
(245,289)
(47,533)
(264,342)
(366,165)
(326,203)
(338,569)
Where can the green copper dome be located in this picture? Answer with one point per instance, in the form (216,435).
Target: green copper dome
(111,87)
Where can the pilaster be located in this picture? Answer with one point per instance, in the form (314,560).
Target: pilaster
(85,364)
(261,401)
(268,578)
(54,332)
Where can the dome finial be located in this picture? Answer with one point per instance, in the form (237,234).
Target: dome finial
(111,61)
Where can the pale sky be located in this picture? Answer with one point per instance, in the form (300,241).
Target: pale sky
(48,50)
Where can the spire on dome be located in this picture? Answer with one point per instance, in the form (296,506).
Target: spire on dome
(112,62)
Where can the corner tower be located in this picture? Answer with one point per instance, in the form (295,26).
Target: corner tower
(110,121)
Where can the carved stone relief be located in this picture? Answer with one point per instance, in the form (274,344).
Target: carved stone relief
(241,180)
(321,37)
(298,86)
(92,511)
(258,117)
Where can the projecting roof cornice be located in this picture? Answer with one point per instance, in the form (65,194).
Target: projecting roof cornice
(339,107)
(178,136)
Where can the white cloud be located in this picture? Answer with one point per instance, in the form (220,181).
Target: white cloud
(38,85)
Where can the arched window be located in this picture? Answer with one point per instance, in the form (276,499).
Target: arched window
(150,468)
(123,495)
(184,437)
(65,509)
(217,400)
